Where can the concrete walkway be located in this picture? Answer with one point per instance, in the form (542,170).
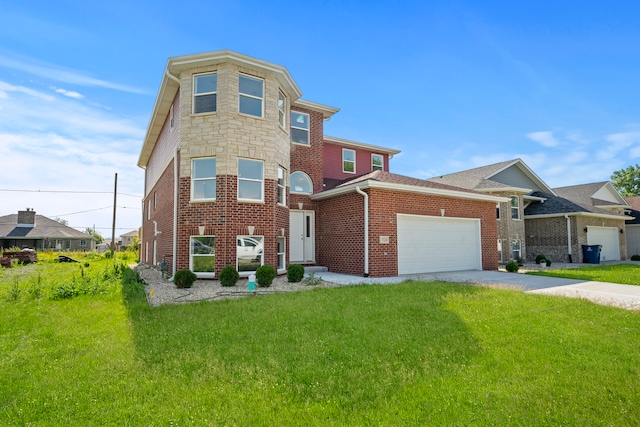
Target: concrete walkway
(624,296)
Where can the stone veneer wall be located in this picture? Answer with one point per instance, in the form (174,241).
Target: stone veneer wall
(510,229)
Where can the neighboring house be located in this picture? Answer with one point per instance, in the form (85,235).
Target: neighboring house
(127,238)
(632,226)
(28,230)
(554,222)
(238,172)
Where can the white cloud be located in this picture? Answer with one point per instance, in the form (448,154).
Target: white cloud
(69,93)
(545,138)
(6,87)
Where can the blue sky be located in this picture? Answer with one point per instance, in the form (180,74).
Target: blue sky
(453,84)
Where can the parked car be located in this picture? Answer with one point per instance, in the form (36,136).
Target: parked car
(249,248)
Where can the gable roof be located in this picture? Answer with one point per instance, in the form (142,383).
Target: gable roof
(633,201)
(354,144)
(554,205)
(593,194)
(45,228)
(510,175)
(391,181)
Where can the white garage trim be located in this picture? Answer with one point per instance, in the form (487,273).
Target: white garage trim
(608,238)
(428,244)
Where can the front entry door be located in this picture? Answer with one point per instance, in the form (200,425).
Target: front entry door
(301,236)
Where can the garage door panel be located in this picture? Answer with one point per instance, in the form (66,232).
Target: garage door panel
(431,244)
(608,238)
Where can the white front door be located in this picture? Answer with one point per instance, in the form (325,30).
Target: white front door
(302,236)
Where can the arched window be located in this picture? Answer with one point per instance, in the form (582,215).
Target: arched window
(300,183)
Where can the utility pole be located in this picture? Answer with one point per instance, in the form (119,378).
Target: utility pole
(113,227)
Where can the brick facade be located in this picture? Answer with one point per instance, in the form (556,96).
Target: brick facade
(510,229)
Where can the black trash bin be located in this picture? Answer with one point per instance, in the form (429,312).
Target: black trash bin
(591,254)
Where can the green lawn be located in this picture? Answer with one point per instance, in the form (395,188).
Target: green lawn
(416,353)
(628,274)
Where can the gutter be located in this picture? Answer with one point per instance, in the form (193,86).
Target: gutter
(366,230)
(569,236)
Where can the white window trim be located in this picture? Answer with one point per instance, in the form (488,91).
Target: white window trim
(261,199)
(193,180)
(201,274)
(292,191)
(148,210)
(500,250)
(194,95)
(283,186)
(283,110)
(498,212)
(146,252)
(240,95)
(83,243)
(344,150)
(308,131)
(519,249)
(155,252)
(284,254)
(374,165)
(171,116)
(517,208)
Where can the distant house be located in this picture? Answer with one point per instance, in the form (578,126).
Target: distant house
(28,230)
(127,238)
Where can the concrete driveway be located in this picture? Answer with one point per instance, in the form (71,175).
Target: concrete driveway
(624,296)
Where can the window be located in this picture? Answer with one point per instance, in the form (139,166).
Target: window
(249,251)
(251,95)
(250,176)
(146,252)
(300,183)
(515,250)
(281,253)
(348,161)
(377,162)
(202,255)
(282,109)
(67,244)
(155,252)
(149,210)
(515,207)
(497,210)
(155,200)
(299,128)
(282,193)
(499,250)
(83,243)
(203,179)
(205,93)
(171,117)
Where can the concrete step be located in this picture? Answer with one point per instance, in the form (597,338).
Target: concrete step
(315,269)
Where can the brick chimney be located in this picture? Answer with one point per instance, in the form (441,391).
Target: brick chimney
(27,218)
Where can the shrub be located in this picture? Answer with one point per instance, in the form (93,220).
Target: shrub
(295,273)
(635,257)
(548,262)
(265,275)
(512,266)
(539,258)
(184,278)
(312,280)
(229,276)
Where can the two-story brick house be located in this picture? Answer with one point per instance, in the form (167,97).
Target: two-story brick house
(238,172)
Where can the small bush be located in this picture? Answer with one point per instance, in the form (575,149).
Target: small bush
(635,257)
(512,266)
(229,276)
(265,275)
(295,273)
(312,280)
(548,262)
(539,258)
(184,278)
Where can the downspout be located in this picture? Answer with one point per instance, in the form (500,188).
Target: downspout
(366,230)
(569,236)
(171,76)
(175,212)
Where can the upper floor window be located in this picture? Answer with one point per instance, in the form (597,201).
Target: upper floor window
(497,210)
(282,109)
(171,117)
(299,128)
(251,95)
(348,161)
(205,93)
(300,183)
(377,162)
(282,193)
(250,179)
(203,179)
(515,207)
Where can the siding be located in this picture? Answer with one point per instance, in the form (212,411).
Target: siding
(164,150)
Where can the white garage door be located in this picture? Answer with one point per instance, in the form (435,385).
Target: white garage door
(428,244)
(608,238)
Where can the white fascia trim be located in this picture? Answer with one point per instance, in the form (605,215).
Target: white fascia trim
(356,144)
(527,171)
(589,214)
(326,110)
(612,206)
(534,198)
(407,189)
(512,189)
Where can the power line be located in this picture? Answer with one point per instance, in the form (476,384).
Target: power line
(69,192)
(97,209)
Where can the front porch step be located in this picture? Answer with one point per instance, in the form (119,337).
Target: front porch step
(315,269)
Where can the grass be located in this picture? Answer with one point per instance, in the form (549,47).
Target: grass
(628,274)
(416,353)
